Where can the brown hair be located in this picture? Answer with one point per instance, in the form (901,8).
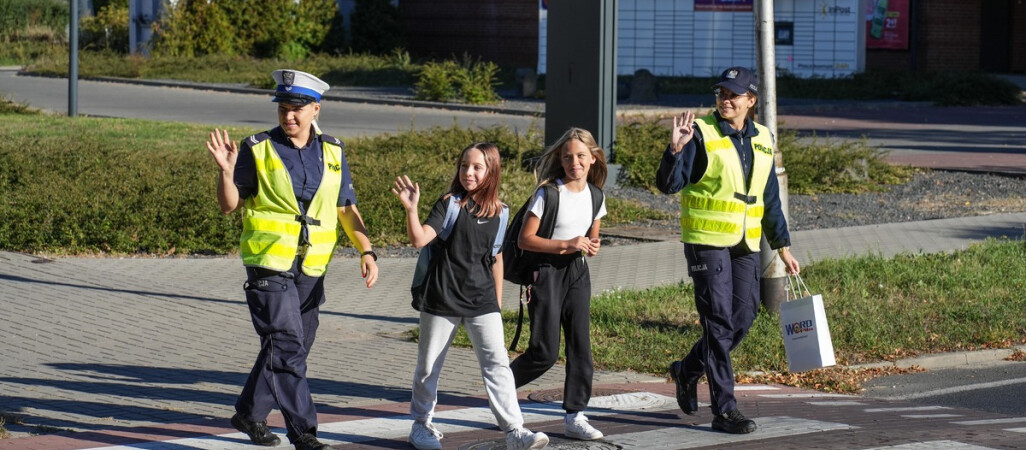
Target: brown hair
(486,195)
(550,168)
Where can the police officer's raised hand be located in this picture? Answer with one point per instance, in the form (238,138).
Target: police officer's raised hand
(683,130)
(224,151)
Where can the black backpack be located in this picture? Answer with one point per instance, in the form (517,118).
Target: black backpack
(518,265)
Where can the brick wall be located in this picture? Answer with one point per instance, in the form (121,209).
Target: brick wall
(1018,62)
(502,31)
(948,35)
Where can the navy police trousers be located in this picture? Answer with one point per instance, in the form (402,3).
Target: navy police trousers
(727,300)
(284,308)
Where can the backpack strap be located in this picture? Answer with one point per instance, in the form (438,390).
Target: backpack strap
(597,197)
(501,235)
(548,219)
(452,212)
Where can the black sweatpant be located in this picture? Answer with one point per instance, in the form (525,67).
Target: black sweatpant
(561,298)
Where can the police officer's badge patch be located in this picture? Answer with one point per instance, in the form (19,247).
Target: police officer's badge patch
(731,75)
(288,77)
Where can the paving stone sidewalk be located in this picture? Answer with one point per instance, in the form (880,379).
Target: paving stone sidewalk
(159,347)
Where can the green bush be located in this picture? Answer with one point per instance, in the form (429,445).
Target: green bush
(376,28)
(30,29)
(437,81)
(107,30)
(639,147)
(342,70)
(24,53)
(282,29)
(90,64)
(116,187)
(125,186)
(193,28)
(476,81)
(813,165)
(962,89)
(468,81)
(8,106)
(19,17)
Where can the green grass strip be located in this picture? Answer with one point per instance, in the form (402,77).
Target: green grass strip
(878,309)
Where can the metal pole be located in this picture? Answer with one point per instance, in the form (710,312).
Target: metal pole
(774,275)
(73,60)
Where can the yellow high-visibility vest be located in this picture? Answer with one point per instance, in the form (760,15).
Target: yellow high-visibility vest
(272,221)
(718,210)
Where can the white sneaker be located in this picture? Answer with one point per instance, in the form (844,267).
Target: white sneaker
(577,427)
(523,439)
(424,436)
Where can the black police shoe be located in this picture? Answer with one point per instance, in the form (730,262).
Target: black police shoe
(307,441)
(257,431)
(733,422)
(687,390)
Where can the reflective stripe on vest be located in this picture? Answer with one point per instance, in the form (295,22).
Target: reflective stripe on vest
(271,221)
(718,211)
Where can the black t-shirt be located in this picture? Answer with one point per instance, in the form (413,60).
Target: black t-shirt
(459,282)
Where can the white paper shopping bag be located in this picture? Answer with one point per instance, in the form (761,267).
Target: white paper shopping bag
(805,331)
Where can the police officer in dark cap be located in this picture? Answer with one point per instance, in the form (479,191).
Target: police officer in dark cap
(723,166)
(293,185)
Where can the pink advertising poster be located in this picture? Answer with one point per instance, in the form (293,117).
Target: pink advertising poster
(887,23)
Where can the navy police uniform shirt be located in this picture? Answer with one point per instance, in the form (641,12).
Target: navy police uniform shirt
(305,166)
(677,171)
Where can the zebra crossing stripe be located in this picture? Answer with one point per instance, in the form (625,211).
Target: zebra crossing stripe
(670,438)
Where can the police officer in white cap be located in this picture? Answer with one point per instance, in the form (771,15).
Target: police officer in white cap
(293,184)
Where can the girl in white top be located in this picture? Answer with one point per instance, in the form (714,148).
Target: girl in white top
(460,288)
(561,287)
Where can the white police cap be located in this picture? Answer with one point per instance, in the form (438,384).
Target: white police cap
(297,87)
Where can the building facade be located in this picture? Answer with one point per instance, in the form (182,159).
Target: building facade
(694,37)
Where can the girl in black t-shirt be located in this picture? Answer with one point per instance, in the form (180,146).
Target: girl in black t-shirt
(463,286)
(561,285)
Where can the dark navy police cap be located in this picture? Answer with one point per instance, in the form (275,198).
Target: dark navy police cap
(297,88)
(739,80)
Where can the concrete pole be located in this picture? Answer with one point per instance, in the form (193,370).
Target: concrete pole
(580,70)
(774,272)
(73,59)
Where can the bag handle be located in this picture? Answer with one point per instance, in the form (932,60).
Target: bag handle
(795,286)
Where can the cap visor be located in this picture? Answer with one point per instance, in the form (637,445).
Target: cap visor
(292,99)
(734,87)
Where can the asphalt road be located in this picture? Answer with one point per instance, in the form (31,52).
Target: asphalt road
(339,119)
(987,139)
(997,387)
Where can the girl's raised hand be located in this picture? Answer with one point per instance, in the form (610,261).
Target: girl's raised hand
(683,130)
(407,191)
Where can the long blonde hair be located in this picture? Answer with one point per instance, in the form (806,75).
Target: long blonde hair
(550,167)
